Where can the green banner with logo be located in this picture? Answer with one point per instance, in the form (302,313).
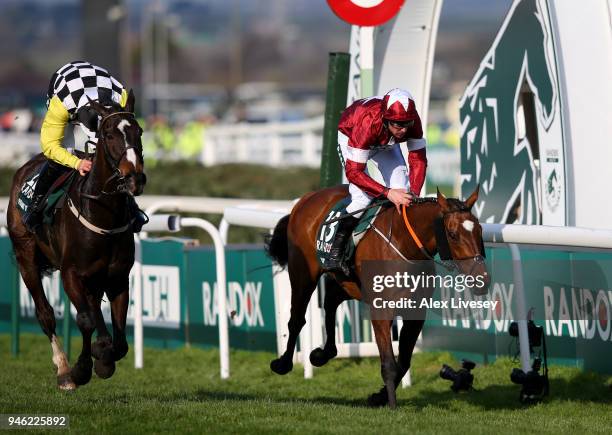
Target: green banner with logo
(567,293)
(250,298)
(179,296)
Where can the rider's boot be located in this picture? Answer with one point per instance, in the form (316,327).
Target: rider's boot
(34,214)
(336,255)
(33,217)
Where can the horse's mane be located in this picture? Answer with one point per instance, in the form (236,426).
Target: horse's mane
(454,204)
(424,200)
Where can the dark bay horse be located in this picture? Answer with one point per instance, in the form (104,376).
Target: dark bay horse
(90,242)
(293,244)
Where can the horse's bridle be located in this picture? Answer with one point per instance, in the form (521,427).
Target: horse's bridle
(121,186)
(447,263)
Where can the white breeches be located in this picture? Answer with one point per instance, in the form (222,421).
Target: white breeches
(385,165)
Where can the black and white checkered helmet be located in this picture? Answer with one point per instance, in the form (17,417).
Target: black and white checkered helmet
(76,81)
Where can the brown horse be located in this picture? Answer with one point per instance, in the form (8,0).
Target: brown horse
(293,244)
(90,242)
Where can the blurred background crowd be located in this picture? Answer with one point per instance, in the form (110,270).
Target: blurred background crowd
(206,72)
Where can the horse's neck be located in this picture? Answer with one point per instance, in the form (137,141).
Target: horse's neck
(98,174)
(97,182)
(421,217)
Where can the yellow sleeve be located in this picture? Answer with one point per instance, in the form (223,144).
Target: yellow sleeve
(52,133)
(124,96)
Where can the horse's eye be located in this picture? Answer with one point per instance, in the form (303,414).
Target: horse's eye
(452,235)
(108,136)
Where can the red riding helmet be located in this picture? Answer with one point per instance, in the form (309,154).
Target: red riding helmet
(399,106)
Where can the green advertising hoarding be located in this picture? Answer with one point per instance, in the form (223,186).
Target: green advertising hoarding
(567,293)
(250,298)
(179,296)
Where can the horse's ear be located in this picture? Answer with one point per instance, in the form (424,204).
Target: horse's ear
(131,99)
(442,200)
(102,111)
(473,197)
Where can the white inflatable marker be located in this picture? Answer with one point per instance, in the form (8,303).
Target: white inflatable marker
(367,3)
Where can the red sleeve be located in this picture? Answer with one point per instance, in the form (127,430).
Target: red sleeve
(362,136)
(417,163)
(355,173)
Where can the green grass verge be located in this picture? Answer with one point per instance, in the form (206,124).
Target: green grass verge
(224,181)
(186,178)
(180,391)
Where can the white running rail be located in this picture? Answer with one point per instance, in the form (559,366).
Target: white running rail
(275,144)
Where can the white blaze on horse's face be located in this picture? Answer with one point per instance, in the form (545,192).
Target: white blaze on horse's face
(131,155)
(468,225)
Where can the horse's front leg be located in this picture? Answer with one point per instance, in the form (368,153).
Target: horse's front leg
(119,308)
(102,350)
(75,289)
(411,329)
(388,366)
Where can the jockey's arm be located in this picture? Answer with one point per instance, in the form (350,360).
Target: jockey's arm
(417,164)
(417,157)
(355,173)
(358,153)
(52,134)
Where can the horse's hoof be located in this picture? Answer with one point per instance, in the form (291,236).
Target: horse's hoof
(379,399)
(104,369)
(119,351)
(102,349)
(319,357)
(65,383)
(81,372)
(280,367)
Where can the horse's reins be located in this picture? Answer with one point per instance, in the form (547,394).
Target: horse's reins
(420,244)
(448,265)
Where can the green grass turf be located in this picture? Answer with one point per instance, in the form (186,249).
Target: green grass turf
(180,391)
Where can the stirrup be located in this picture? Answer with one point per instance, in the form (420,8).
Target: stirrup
(345,268)
(340,266)
(34,215)
(338,262)
(33,220)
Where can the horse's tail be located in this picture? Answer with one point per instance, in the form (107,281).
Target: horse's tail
(277,244)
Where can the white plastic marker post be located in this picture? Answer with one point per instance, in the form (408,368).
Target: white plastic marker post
(138,328)
(160,222)
(306,341)
(521,307)
(3,223)
(222,289)
(366,60)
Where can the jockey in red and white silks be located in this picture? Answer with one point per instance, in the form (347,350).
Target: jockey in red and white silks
(372,129)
